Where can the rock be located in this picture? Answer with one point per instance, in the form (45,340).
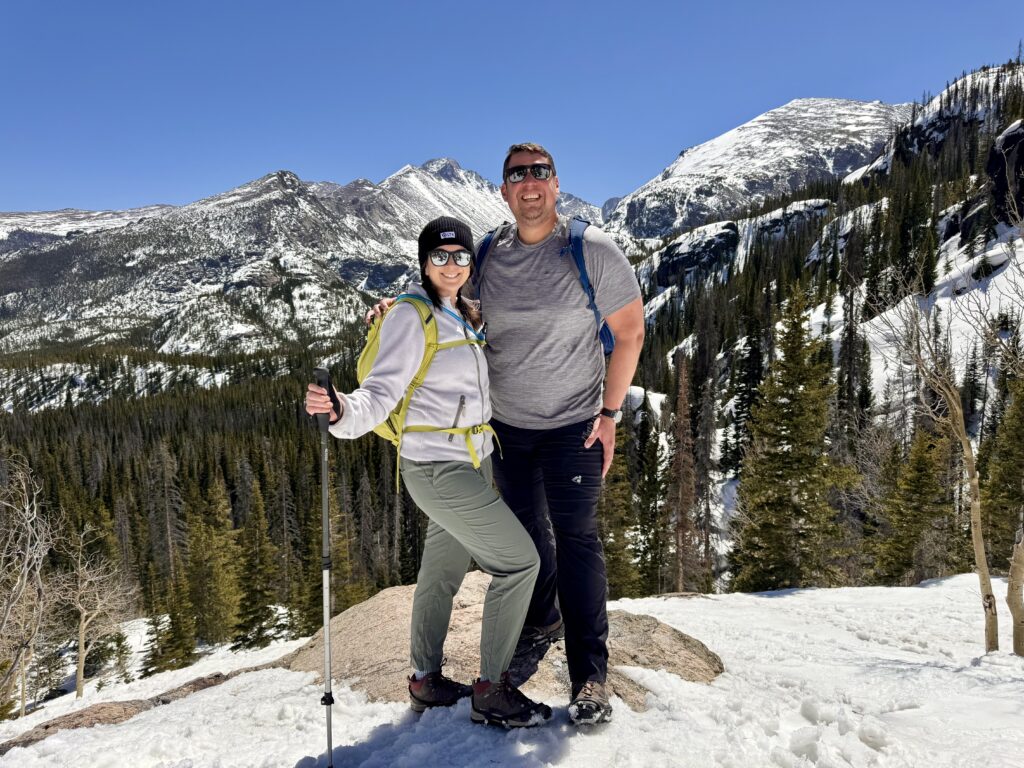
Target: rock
(1005,167)
(370,649)
(107,713)
(112,712)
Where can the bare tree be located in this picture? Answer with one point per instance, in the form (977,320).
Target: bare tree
(920,338)
(26,537)
(979,308)
(1015,589)
(98,593)
(37,619)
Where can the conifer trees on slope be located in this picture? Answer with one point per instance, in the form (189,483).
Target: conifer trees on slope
(787,531)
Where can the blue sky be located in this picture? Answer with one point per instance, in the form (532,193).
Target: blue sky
(115,105)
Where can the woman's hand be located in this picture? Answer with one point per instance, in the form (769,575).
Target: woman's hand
(318,401)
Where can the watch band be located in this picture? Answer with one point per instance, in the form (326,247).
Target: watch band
(614,415)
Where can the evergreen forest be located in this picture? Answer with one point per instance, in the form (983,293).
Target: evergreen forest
(755,453)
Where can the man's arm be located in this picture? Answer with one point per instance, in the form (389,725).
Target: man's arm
(378,310)
(628,326)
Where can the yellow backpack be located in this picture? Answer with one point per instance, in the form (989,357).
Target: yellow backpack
(393,427)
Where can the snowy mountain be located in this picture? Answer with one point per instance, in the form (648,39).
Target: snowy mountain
(272,262)
(869,677)
(773,154)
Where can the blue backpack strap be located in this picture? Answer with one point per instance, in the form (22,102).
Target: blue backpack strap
(577,227)
(481,255)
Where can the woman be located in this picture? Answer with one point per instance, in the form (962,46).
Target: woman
(448,475)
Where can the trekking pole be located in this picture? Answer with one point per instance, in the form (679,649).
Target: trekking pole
(323,379)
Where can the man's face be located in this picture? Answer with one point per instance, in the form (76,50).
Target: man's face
(531,201)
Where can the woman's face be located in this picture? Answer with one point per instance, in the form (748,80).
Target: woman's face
(447,279)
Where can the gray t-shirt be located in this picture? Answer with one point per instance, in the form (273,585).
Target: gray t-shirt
(544,355)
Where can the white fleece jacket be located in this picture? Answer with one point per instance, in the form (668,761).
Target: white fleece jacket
(454,392)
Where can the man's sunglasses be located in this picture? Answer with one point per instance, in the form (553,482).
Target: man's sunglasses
(440,257)
(539,171)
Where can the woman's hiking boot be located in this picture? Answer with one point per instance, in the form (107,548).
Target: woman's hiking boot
(435,690)
(501,703)
(590,704)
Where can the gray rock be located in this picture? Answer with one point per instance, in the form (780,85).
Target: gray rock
(112,712)
(370,649)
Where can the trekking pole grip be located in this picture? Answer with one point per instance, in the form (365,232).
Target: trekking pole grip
(323,379)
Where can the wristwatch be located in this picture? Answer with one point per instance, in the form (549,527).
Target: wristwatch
(615,415)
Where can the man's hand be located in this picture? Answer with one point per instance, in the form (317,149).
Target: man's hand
(318,401)
(377,310)
(603,430)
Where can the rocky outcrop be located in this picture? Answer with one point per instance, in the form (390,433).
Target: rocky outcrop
(1005,167)
(370,649)
(113,712)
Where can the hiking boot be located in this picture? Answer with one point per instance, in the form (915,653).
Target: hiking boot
(532,638)
(435,690)
(590,704)
(501,703)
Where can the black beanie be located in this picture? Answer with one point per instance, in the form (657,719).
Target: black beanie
(444,230)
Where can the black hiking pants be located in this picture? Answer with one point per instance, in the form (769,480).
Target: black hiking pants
(552,485)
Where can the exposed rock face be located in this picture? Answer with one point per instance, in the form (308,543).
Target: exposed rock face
(1005,167)
(370,649)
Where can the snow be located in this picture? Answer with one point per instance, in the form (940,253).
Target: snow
(956,296)
(856,677)
(775,153)
(70,220)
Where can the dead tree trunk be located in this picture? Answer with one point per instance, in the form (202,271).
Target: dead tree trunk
(988,598)
(1014,592)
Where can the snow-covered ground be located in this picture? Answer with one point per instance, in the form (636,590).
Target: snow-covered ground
(867,677)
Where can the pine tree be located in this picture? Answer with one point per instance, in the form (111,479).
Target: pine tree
(652,531)
(915,504)
(213,568)
(348,586)
(689,571)
(257,619)
(166,511)
(1003,491)
(786,534)
(155,659)
(179,644)
(616,517)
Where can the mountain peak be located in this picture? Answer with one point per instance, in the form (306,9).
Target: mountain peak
(440,165)
(772,154)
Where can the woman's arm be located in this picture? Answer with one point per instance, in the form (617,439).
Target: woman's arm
(398,358)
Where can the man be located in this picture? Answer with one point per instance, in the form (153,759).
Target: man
(554,419)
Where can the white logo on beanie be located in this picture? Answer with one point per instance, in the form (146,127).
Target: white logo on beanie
(447,235)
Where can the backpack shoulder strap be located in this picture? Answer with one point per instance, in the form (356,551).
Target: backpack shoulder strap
(577,227)
(489,239)
(425,311)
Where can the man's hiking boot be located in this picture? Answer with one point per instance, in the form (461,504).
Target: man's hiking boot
(501,703)
(532,638)
(590,704)
(435,690)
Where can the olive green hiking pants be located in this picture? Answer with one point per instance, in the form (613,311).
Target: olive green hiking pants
(468,520)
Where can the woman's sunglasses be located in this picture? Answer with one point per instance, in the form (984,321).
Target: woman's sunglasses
(539,171)
(440,257)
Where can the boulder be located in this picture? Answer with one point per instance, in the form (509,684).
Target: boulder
(112,712)
(370,649)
